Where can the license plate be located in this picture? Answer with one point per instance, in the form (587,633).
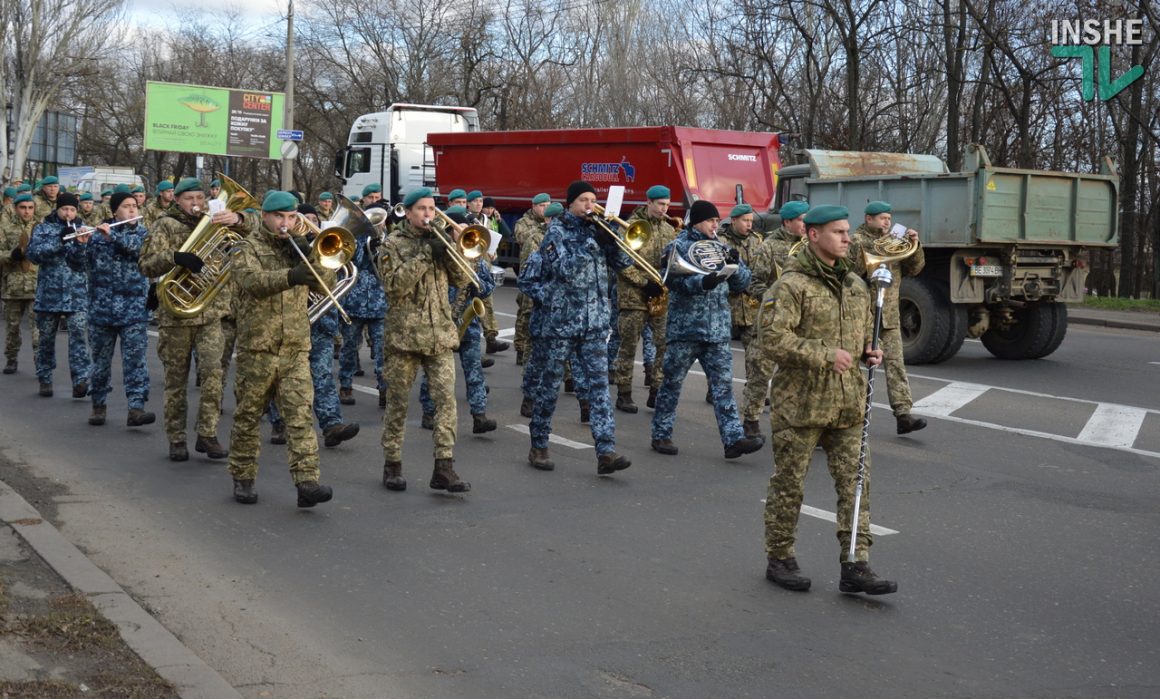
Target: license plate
(986,270)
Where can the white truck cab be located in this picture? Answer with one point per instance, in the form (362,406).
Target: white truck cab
(391,148)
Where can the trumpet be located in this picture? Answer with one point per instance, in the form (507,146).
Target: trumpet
(470,242)
(89,230)
(676,222)
(636,234)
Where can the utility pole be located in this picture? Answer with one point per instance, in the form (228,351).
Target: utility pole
(288,121)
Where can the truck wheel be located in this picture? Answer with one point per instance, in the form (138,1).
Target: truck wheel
(957,314)
(924,321)
(1058,313)
(1036,332)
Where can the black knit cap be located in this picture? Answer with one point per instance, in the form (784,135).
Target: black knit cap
(488,202)
(576,189)
(115,202)
(67,199)
(307,209)
(702,211)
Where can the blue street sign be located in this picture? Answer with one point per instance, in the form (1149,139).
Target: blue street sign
(288,135)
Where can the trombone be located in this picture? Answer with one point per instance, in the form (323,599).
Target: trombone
(466,246)
(333,248)
(636,234)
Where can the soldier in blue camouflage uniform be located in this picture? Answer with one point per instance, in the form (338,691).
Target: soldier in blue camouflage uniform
(568,279)
(17,276)
(699,329)
(61,295)
(366,304)
(117,296)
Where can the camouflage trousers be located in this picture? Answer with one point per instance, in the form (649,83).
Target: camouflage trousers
(285,378)
(327,410)
(79,360)
(399,372)
(469,356)
(523,337)
(134,372)
(490,327)
(614,327)
(792,449)
(717,362)
(534,371)
(14,312)
(632,327)
(348,358)
(591,363)
(229,339)
(758,373)
(897,385)
(175,347)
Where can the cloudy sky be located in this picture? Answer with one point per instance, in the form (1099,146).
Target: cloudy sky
(164,12)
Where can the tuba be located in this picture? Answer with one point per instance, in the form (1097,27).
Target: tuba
(185,294)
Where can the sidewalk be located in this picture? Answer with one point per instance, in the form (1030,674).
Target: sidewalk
(1127,320)
(68,629)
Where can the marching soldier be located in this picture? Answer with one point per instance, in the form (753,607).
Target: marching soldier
(416,270)
(160,205)
(698,329)
(325,207)
(771,256)
(215,188)
(877,225)
(475,205)
(567,277)
(457,197)
(87,213)
(61,295)
(117,296)
(178,337)
(743,306)
(6,211)
(140,195)
(17,277)
(371,194)
(819,324)
(529,232)
(46,198)
(271,284)
(366,304)
(635,291)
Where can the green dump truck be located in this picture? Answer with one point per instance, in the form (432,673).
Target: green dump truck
(1004,247)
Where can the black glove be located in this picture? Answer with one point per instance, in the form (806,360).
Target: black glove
(151,300)
(17,255)
(602,236)
(373,245)
(733,256)
(302,242)
(438,249)
(653,290)
(189,261)
(710,281)
(299,275)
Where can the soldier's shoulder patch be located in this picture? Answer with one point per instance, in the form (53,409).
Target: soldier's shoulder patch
(549,252)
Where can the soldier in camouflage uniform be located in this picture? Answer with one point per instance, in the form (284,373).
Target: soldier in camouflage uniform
(325,206)
(771,255)
(17,277)
(272,284)
(475,205)
(417,271)
(877,225)
(366,305)
(567,278)
(46,198)
(698,329)
(160,205)
(87,213)
(61,295)
(740,236)
(140,195)
(7,213)
(179,337)
(117,296)
(635,291)
(529,232)
(816,323)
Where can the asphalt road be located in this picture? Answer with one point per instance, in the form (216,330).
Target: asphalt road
(1021,526)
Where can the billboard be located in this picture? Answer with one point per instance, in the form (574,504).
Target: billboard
(213,120)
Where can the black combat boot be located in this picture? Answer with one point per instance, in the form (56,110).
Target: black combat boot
(907,423)
(624,400)
(709,396)
(745,445)
(496,345)
(538,458)
(178,451)
(519,359)
(46,390)
(486,362)
(664,446)
(310,493)
(611,463)
(585,412)
(98,416)
(569,386)
(346,396)
(277,432)
(428,421)
(211,447)
(652,397)
(752,428)
(526,407)
(358,371)
(648,370)
(140,418)
(482,423)
(81,390)
(10,367)
(244,491)
(337,434)
(393,476)
(382,398)
(444,477)
(857,577)
(786,573)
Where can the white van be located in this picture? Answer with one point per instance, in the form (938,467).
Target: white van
(102,178)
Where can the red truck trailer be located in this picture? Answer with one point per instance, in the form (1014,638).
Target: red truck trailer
(514,166)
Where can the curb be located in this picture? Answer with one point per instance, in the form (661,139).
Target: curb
(1114,323)
(155,644)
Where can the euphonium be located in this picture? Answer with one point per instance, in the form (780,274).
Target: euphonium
(185,294)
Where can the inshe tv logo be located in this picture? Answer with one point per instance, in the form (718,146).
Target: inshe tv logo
(1083,38)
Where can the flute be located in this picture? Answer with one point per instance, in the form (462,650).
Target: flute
(88,230)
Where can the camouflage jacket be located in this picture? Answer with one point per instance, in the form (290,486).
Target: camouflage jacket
(15,281)
(742,304)
(417,289)
(366,299)
(697,315)
(529,225)
(567,279)
(805,317)
(44,206)
(117,289)
(271,314)
(631,281)
(154,211)
(863,239)
(771,254)
(61,282)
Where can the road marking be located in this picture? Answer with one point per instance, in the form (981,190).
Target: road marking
(950,398)
(523,429)
(1113,425)
(831,517)
(1158,363)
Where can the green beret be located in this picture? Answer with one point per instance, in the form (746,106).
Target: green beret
(793,209)
(554,209)
(24,188)
(187,184)
(51,179)
(541,198)
(9,192)
(164,186)
(325,196)
(137,190)
(215,183)
(658,191)
(121,189)
(474,194)
(457,209)
(877,207)
(107,193)
(825,213)
(416,195)
(372,188)
(87,196)
(456,194)
(21,198)
(279,201)
(740,210)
